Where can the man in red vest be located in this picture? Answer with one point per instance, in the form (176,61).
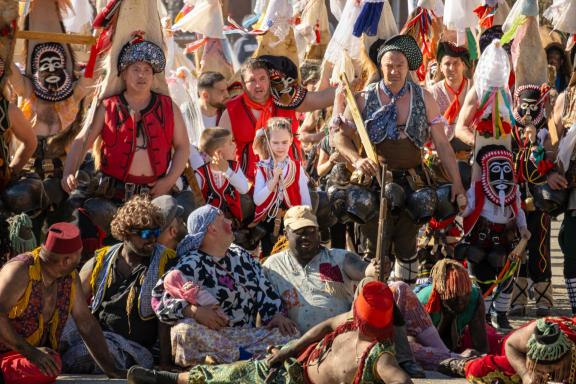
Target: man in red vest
(270,90)
(144,141)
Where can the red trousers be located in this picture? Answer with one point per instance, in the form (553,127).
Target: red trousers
(16,369)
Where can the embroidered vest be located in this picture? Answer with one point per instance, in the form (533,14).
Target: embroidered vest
(119,135)
(224,197)
(291,192)
(26,316)
(244,129)
(102,276)
(417,127)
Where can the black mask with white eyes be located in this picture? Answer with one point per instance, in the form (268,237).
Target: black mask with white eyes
(50,80)
(529,108)
(498,181)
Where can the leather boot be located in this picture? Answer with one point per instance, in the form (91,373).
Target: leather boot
(519,297)
(543,295)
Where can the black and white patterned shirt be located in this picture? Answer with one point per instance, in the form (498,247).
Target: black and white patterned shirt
(236,281)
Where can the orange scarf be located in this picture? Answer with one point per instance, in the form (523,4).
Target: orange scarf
(266,110)
(453,110)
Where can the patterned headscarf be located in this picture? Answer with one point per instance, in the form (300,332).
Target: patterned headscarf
(197,224)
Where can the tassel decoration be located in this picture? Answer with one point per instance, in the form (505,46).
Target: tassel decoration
(472,45)
(511,33)
(369,18)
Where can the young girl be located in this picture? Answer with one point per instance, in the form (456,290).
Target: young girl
(280,183)
(221,180)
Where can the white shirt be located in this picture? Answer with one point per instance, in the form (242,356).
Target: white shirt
(237,179)
(209,121)
(261,191)
(494,213)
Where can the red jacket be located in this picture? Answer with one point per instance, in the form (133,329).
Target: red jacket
(291,196)
(119,135)
(226,195)
(244,130)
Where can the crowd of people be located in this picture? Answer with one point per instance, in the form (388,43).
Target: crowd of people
(363,209)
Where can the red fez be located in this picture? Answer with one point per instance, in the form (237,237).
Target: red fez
(63,238)
(374,305)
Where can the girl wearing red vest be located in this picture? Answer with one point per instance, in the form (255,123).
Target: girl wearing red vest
(221,180)
(281,182)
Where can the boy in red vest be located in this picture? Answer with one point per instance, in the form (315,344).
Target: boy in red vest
(221,180)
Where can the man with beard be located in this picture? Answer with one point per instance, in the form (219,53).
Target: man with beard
(118,282)
(174,228)
(316,283)
(354,347)
(492,220)
(213,93)
(39,291)
(270,90)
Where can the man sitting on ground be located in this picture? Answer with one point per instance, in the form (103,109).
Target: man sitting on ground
(221,328)
(316,283)
(354,347)
(38,293)
(118,282)
(174,228)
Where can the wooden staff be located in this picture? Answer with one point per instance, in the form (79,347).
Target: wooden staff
(65,38)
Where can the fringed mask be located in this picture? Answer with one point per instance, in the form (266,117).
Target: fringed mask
(529,105)
(140,50)
(284,87)
(50,79)
(498,180)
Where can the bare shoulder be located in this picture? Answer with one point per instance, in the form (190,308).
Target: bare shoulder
(13,282)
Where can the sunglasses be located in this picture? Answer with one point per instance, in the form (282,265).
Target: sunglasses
(146,233)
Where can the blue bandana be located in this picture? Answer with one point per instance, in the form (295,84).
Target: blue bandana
(197,224)
(388,114)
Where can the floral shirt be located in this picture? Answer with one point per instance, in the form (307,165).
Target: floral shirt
(236,281)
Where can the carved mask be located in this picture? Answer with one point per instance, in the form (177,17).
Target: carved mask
(529,108)
(50,80)
(498,180)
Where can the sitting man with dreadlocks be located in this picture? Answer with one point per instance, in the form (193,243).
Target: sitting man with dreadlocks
(354,347)
(456,308)
(543,351)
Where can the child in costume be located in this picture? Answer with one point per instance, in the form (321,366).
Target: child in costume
(221,180)
(281,182)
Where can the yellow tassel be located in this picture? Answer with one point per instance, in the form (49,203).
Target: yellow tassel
(34,274)
(100,256)
(167,255)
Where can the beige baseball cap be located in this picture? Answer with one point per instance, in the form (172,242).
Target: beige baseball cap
(300,216)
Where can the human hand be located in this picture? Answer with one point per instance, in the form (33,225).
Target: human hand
(373,269)
(68,183)
(277,173)
(557,181)
(366,166)
(278,356)
(286,326)
(163,186)
(47,361)
(210,316)
(219,162)
(336,157)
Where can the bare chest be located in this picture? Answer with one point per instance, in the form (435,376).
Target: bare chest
(340,362)
(49,298)
(402,106)
(47,120)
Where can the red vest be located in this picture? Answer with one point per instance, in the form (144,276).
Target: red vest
(119,135)
(291,196)
(225,195)
(244,129)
